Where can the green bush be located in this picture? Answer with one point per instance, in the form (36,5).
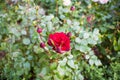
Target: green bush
(94,33)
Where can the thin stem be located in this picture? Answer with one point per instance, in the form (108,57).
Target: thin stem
(56,7)
(45,49)
(47,52)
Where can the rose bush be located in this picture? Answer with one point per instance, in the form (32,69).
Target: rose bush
(85,33)
(101,1)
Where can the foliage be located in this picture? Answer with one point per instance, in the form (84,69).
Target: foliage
(95,40)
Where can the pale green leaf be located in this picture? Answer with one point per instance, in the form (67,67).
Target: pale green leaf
(91,41)
(0,37)
(87,56)
(96,31)
(119,41)
(78,40)
(77,47)
(86,35)
(50,26)
(44,71)
(97,62)
(84,48)
(61,70)
(91,62)
(23,32)
(71,63)
(26,65)
(26,41)
(70,56)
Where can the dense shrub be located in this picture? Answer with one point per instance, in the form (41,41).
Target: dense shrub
(35,37)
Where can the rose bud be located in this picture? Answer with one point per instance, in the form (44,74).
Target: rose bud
(96,51)
(39,30)
(42,44)
(72,8)
(58,50)
(89,19)
(69,34)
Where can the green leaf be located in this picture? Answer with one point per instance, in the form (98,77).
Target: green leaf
(96,31)
(115,44)
(26,41)
(78,40)
(0,37)
(15,54)
(53,65)
(23,32)
(91,41)
(84,48)
(30,57)
(77,47)
(119,41)
(19,72)
(70,56)
(15,32)
(44,71)
(61,70)
(97,62)
(56,77)
(68,70)
(95,37)
(103,29)
(80,77)
(61,29)
(93,57)
(55,20)
(65,10)
(69,22)
(91,62)
(76,23)
(86,35)
(50,17)
(84,42)
(50,26)
(71,63)
(63,62)
(26,65)
(62,16)
(91,53)
(87,56)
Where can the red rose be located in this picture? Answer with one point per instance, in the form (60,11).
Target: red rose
(59,41)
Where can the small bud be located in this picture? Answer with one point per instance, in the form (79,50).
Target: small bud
(2,54)
(72,8)
(58,50)
(39,30)
(42,44)
(69,34)
(19,21)
(89,19)
(37,7)
(96,51)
